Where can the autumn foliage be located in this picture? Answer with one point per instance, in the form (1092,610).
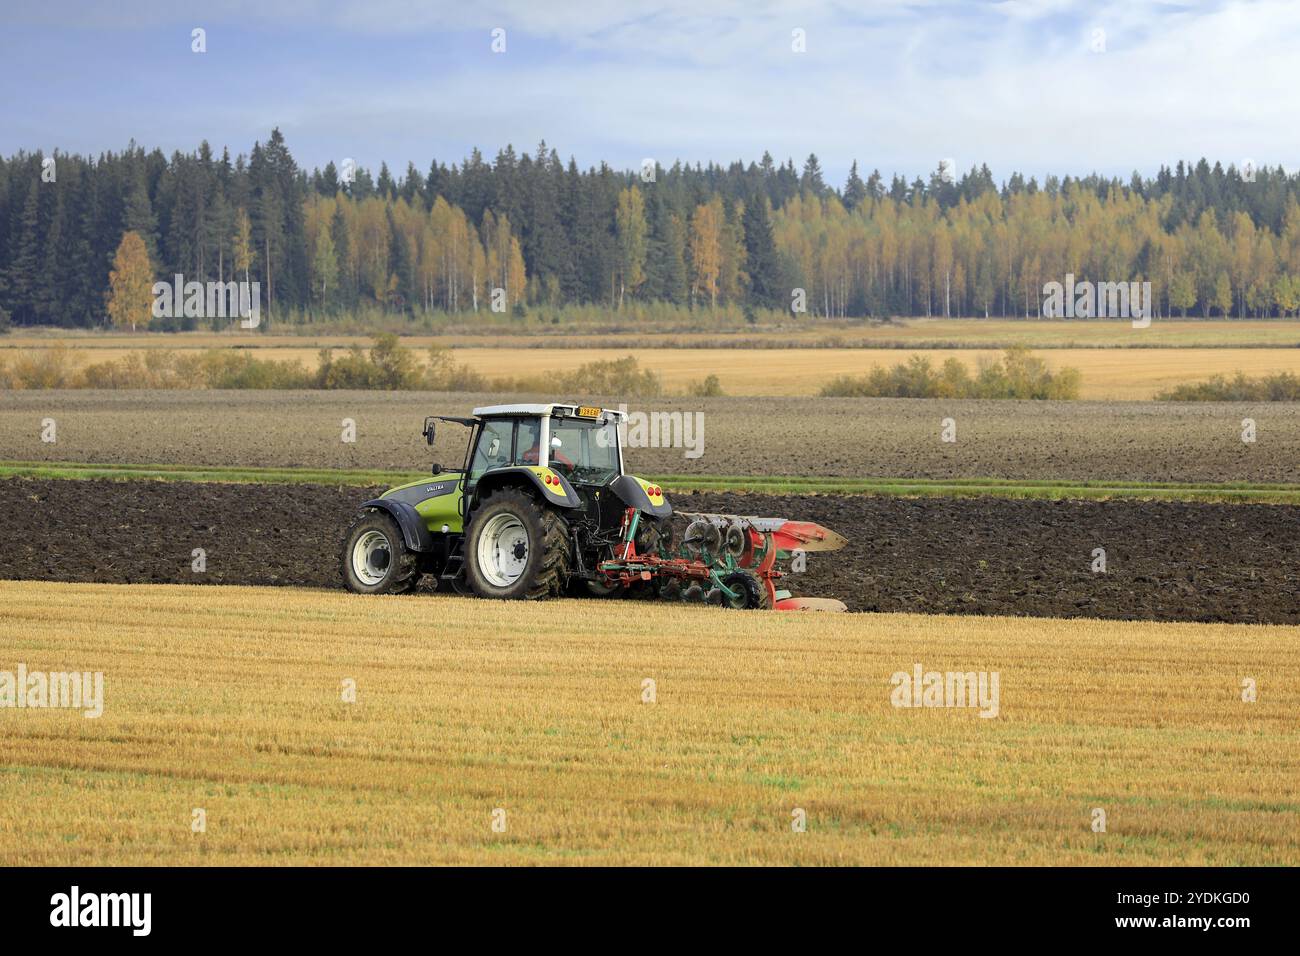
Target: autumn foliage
(130,285)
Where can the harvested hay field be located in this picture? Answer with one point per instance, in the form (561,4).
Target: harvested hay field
(230,700)
(851,438)
(1166,561)
(1115,374)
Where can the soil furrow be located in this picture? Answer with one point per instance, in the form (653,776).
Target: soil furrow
(1167,561)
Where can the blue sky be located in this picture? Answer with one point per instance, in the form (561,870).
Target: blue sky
(896,85)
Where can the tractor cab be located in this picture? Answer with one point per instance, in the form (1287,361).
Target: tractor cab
(566,453)
(580,443)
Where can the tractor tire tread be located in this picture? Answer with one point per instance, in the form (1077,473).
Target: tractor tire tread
(552,574)
(404,577)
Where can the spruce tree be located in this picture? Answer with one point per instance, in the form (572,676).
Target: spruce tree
(762,264)
(346,294)
(811,181)
(855,190)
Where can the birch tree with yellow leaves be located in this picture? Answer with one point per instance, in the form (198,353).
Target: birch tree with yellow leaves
(130,284)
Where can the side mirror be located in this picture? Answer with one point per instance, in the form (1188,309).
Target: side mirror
(437,468)
(428,431)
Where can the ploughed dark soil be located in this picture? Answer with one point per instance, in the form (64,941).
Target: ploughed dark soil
(1165,560)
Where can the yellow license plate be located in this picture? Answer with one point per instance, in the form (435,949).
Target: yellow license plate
(587,411)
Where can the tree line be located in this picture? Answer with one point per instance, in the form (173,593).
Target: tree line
(82,238)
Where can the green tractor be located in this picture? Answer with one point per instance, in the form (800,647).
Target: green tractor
(542,506)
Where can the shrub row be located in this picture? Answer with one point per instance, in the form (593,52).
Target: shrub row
(386,365)
(1280,387)
(1019,374)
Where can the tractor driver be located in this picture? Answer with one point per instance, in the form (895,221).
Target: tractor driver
(533,455)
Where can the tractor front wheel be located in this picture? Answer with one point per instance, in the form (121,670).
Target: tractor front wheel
(375,559)
(516,547)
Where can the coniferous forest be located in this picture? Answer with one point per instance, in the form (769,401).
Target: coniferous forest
(537,231)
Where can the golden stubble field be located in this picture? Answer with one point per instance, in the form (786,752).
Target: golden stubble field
(230,700)
(1108,374)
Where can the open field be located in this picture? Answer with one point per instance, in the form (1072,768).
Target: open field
(828,438)
(1165,560)
(905,333)
(1108,374)
(229,700)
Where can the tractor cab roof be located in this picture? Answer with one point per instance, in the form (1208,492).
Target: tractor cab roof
(546,410)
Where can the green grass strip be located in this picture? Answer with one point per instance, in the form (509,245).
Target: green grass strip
(1260,493)
(324,476)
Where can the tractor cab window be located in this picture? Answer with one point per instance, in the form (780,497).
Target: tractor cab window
(584,451)
(495,448)
(528,441)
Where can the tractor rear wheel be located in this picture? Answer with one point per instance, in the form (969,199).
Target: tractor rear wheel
(375,559)
(516,547)
(751,594)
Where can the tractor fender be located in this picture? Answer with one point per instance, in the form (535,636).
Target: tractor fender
(557,492)
(414,531)
(632,492)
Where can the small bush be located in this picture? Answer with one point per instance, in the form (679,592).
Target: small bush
(1279,387)
(388,367)
(615,377)
(1019,374)
(126,372)
(221,369)
(395,367)
(711,387)
(623,377)
(42,368)
(442,374)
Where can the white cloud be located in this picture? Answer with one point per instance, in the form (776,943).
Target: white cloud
(894,84)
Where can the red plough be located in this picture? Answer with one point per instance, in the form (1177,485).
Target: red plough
(727,560)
